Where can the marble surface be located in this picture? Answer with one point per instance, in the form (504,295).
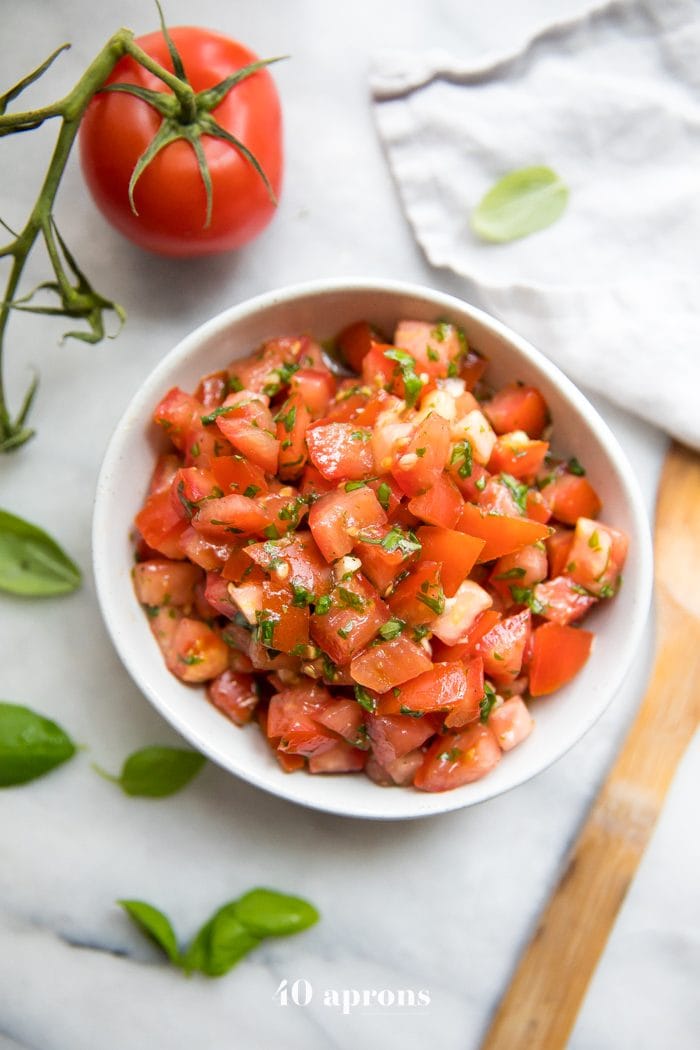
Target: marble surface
(441,905)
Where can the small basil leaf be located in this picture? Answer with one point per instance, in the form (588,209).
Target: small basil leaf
(220,943)
(267,913)
(156,772)
(31,563)
(520,203)
(155,925)
(30,745)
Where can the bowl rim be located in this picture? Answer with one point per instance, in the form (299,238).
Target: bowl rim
(424,804)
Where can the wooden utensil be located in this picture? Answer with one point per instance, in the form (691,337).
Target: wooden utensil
(540,1006)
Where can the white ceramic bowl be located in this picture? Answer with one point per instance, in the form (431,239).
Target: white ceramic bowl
(322,309)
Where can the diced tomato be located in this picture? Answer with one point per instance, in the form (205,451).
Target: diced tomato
(401,771)
(434,347)
(356,341)
(197,652)
(460,612)
(558,548)
(292,422)
(341,451)
(247,599)
(393,736)
(246,422)
(518,408)
(209,556)
(518,572)
(503,647)
(234,694)
(511,723)
(455,551)
(161,524)
(315,387)
(465,650)
(237,568)
(212,389)
(472,368)
(295,559)
(469,707)
(518,455)
(380,371)
(391,663)
(217,596)
(421,464)
(341,758)
(355,615)
(440,505)
(419,599)
(379,402)
(165,582)
(440,688)
(474,429)
(382,560)
(562,600)
(283,625)
(458,758)
(558,654)
(313,484)
(596,557)
(572,497)
(290,718)
(537,507)
(178,413)
(346,718)
(167,466)
(269,369)
(229,516)
(336,520)
(501,534)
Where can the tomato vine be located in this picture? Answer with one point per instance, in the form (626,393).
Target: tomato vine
(185,114)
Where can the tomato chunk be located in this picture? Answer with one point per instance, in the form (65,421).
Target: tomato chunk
(518,408)
(336,519)
(455,551)
(341,451)
(236,695)
(558,654)
(197,653)
(388,664)
(458,758)
(501,534)
(511,723)
(164,582)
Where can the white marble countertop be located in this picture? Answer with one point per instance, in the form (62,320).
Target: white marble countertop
(442,905)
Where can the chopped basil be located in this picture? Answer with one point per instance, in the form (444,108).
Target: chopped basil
(433,355)
(526,596)
(384,495)
(453,755)
(480,483)
(420,452)
(234,385)
(516,573)
(420,632)
(349,598)
(266,627)
(360,435)
(251,491)
(323,604)
(406,366)
(195,450)
(517,490)
(300,596)
(365,699)
(463,451)
(594,540)
(392,628)
(346,631)
(434,602)
(487,702)
(223,410)
(287,419)
(574,467)
(410,712)
(284,373)
(352,486)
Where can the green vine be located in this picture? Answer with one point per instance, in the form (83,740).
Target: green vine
(185,114)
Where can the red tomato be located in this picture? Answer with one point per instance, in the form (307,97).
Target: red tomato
(383,666)
(224,518)
(503,647)
(440,505)
(341,758)
(501,533)
(290,718)
(439,689)
(423,461)
(511,723)
(161,524)
(393,736)
(419,598)
(596,557)
(458,758)
(170,198)
(517,455)
(337,519)
(164,582)
(455,551)
(572,497)
(558,653)
(469,707)
(234,694)
(517,408)
(356,341)
(292,423)
(355,615)
(341,451)
(288,623)
(197,652)
(562,600)
(432,346)
(382,564)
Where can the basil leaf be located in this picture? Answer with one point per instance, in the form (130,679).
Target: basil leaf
(155,925)
(220,943)
(30,745)
(519,204)
(156,772)
(31,563)
(267,913)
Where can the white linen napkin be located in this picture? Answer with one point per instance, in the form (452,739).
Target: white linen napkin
(611,102)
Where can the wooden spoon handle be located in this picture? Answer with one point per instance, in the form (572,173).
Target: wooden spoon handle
(540,1007)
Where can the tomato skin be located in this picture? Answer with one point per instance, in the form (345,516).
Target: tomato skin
(511,723)
(572,497)
(562,600)
(341,451)
(197,652)
(501,533)
(503,647)
(597,556)
(469,707)
(458,758)
(344,630)
(394,736)
(518,408)
(388,664)
(558,654)
(408,601)
(336,519)
(235,695)
(422,463)
(456,552)
(170,196)
(440,688)
(440,505)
